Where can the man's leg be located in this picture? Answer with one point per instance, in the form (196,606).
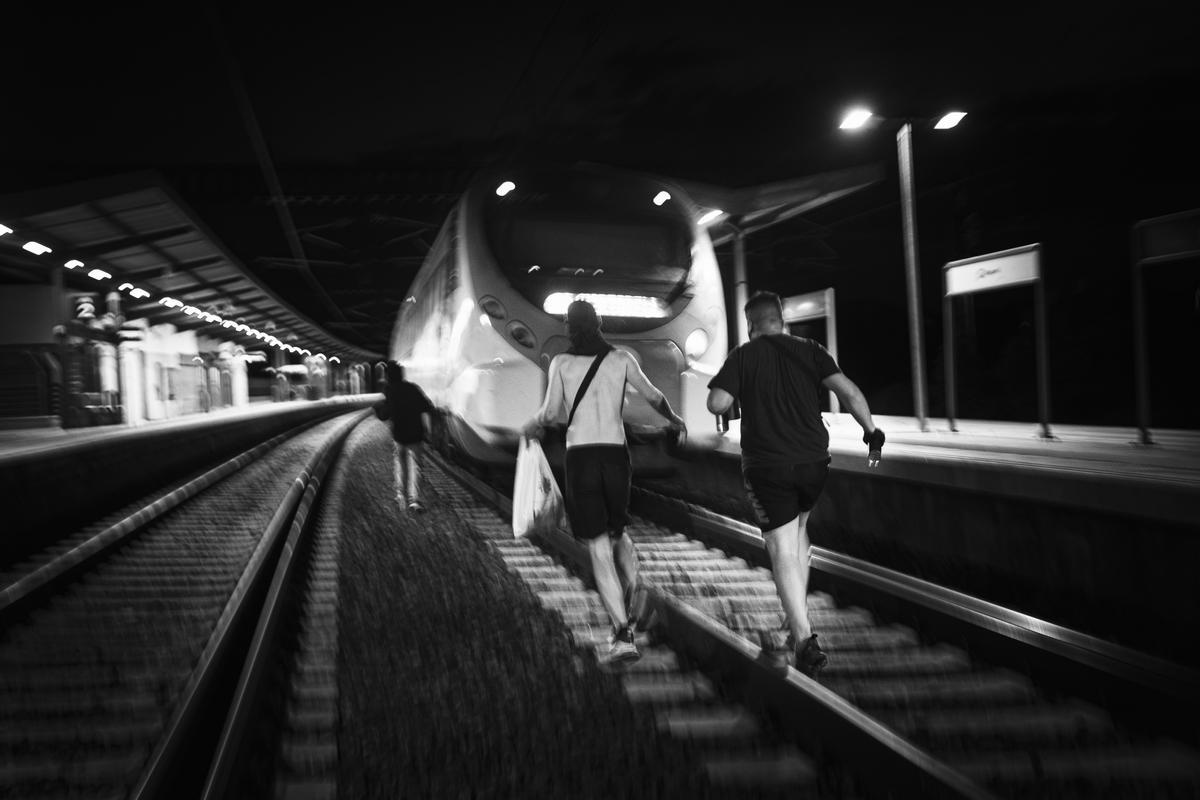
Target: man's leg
(626,558)
(604,572)
(413,472)
(789,550)
(397,463)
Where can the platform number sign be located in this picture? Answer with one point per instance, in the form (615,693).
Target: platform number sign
(84,306)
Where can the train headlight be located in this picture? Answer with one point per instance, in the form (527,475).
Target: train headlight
(696,343)
(521,334)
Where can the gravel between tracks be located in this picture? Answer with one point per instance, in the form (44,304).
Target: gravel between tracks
(455,682)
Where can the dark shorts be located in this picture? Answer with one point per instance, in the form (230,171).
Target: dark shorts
(597,491)
(778,494)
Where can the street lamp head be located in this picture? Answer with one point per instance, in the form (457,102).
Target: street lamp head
(949,120)
(855,118)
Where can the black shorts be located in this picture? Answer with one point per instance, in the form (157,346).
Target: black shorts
(779,493)
(597,491)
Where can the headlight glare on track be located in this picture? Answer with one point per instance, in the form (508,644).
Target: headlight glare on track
(696,343)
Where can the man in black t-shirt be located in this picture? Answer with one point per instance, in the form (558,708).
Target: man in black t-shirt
(778,379)
(406,405)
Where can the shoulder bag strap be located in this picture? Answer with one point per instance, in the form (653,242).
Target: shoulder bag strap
(587,379)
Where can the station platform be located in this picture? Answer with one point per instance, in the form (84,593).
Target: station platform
(23,442)
(1173,455)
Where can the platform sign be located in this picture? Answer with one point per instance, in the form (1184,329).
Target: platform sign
(1007,268)
(812,306)
(995,271)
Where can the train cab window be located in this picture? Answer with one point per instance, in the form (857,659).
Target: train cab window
(581,231)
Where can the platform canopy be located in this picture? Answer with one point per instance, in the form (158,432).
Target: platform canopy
(755,208)
(138,231)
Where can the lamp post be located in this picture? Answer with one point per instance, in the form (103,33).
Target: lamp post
(856,119)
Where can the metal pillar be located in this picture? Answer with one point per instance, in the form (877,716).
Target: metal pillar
(912,272)
(831,337)
(1141,356)
(739,287)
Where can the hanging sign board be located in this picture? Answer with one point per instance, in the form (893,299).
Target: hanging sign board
(993,271)
(1015,267)
(803,307)
(1160,240)
(816,305)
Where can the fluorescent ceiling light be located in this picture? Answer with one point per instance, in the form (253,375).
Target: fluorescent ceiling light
(505,188)
(73,263)
(709,216)
(661,198)
(37,248)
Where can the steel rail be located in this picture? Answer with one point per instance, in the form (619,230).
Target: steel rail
(16,598)
(251,681)
(815,715)
(1070,658)
(180,730)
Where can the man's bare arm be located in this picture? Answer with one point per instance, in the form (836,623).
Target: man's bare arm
(851,398)
(719,400)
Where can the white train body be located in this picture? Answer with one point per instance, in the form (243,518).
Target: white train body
(480,326)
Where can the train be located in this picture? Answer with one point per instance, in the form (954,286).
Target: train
(484,314)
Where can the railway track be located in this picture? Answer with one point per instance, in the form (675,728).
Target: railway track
(122,651)
(930,717)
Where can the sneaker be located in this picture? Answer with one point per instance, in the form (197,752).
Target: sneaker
(776,648)
(416,507)
(811,659)
(623,650)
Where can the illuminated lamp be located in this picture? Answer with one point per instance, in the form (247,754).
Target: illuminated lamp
(608,305)
(696,343)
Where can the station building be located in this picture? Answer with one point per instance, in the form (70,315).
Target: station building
(119,306)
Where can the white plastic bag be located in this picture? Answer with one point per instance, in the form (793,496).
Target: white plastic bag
(537,502)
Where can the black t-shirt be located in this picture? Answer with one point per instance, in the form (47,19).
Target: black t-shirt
(780,395)
(407,403)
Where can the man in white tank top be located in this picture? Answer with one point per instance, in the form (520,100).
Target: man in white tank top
(598,469)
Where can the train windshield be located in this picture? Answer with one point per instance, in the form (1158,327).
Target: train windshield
(590,234)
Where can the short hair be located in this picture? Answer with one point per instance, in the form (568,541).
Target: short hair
(761,302)
(394,371)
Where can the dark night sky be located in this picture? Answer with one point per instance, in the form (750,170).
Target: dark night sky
(1082,121)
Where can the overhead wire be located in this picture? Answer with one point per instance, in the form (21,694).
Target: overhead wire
(264,161)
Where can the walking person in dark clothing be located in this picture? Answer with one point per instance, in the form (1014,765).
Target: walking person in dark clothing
(598,469)
(409,411)
(778,378)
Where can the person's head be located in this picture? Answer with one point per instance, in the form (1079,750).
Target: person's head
(764,314)
(395,372)
(583,323)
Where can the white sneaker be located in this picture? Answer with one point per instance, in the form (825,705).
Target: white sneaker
(623,650)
